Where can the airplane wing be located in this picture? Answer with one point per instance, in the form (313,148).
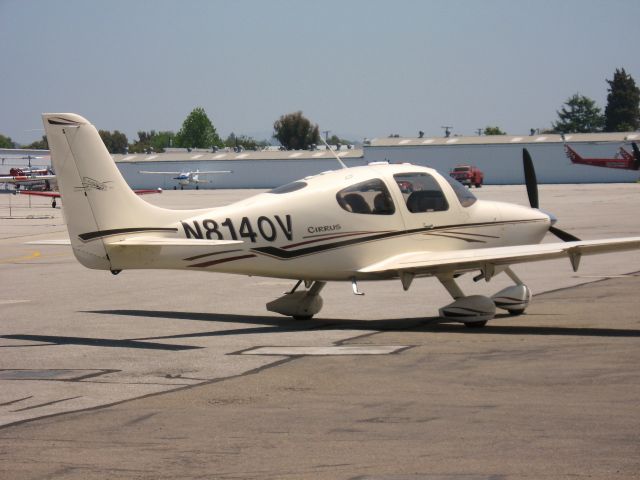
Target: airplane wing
(487,259)
(216,171)
(159,173)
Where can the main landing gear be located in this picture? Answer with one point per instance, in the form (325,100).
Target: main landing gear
(475,310)
(299,304)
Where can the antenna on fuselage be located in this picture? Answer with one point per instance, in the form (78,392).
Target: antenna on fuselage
(334,153)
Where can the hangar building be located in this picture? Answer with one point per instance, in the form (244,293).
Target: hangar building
(499,157)
(262,169)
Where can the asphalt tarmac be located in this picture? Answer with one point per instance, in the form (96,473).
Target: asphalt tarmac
(186,375)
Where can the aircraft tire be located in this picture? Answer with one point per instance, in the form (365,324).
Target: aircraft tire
(480,324)
(516,312)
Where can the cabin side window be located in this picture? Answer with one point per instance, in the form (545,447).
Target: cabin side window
(421,192)
(371,197)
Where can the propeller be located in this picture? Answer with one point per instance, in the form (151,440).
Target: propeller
(530,178)
(636,154)
(532,192)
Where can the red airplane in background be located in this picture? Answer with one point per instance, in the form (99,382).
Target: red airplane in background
(623,160)
(56,195)
(29,177)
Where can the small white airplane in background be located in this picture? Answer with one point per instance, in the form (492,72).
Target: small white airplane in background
(345,225)
(187,178)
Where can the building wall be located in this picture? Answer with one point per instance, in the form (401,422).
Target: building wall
(502,163)
(261,173)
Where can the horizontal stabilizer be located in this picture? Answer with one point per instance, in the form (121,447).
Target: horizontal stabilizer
(60,241)
(172,242)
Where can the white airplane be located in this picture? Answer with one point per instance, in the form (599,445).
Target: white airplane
(344,225)
(187,178)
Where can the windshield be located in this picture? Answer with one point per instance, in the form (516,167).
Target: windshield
(464,195)
(289,187)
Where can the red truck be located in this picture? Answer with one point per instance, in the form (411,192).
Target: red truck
(468,175)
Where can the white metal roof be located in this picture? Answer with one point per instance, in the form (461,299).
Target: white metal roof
(244,155)
(503,139)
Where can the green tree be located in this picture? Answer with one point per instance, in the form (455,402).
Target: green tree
(579,114)
(6,142)
(335,140)
(116,142)
(622,112)
(152,142)
(42,144)
(248,143)
(493,131)
(162,140)
(295,132)
(197,131)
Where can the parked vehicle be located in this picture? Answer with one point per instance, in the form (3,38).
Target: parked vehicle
(468,175)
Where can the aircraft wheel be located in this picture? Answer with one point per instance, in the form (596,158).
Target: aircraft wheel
(516,312)
(53,204)
(302,317)
(478,185)
(475,324)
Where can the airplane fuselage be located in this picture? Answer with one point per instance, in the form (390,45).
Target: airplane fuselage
(282,238)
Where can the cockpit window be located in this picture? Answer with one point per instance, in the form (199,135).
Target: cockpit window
(463,193)
(289,187)
(421,192)
(371,197)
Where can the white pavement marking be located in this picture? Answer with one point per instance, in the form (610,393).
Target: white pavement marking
(11,302)
(332,350)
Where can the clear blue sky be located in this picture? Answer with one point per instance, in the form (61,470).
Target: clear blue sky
(357,68)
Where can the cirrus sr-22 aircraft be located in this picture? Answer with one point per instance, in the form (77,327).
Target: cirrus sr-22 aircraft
(345,225)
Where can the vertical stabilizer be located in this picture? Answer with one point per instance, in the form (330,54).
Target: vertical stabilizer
(97,202)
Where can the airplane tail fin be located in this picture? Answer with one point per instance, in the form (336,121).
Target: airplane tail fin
(97,202)
(572,154)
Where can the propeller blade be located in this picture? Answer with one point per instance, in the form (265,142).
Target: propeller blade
(530,178)
(636,154)
(562,235)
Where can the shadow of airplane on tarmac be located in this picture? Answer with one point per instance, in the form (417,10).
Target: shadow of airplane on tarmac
(421,324)
(268,325)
